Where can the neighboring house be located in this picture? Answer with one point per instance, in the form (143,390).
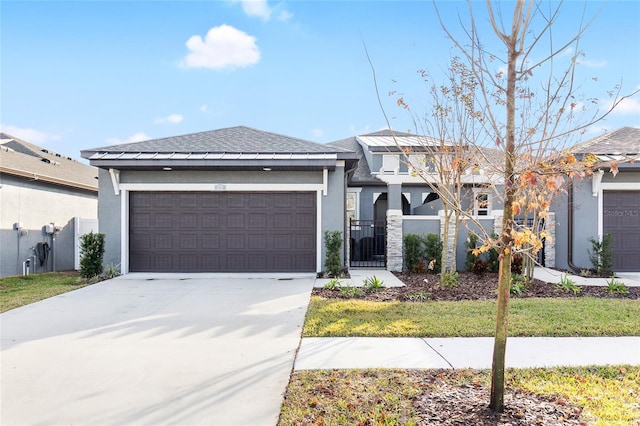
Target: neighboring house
(603,203)
(385,197)
(386,200)
(43,195)
(228,200)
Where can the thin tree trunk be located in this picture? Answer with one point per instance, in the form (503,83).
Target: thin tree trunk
(502,312)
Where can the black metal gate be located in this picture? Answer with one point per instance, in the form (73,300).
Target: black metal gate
(368,243)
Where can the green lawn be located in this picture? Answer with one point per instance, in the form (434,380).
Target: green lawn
(603,395)
(22,290)
(585,316)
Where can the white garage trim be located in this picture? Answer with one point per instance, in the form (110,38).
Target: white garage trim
(125,188)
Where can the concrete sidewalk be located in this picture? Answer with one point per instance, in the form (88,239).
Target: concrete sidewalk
(630,279)
(462,352)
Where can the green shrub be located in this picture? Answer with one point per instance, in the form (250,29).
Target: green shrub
(91,254)
(472,244)
(567,284)
(349,291)
(450,279)
(333,284)
(373,284)
(333,245)
(413,252)
(518,284)
(422,253)
(616,287)
(600,256)
(433,252)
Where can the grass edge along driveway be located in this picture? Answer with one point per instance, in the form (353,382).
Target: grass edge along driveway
(19,291)
(539,317)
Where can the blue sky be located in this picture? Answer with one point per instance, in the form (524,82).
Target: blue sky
(83,74)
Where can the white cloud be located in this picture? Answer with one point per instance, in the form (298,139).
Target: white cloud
(626,106)
(257,8)
(223,47)
(136,137)
(317,133)
(173,119)
(29,135)
(261,9)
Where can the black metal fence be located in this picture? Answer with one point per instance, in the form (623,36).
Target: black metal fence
(368,244)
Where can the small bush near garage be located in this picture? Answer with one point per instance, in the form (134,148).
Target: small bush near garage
(600,255)
(91,254)
(333,245)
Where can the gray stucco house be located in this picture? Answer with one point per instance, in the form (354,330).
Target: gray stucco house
(385,201)
(229,200)
(45,201)
(603,203)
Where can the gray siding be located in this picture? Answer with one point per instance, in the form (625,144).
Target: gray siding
(36,204)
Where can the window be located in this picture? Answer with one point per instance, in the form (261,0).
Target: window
(481,204)
(390,164)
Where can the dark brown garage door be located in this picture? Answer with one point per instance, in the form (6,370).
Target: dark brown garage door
(621,219)
(222,232)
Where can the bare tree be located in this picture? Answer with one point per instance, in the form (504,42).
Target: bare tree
(527,102)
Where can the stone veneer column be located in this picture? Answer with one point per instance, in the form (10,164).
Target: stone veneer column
(394,240)
(550,244)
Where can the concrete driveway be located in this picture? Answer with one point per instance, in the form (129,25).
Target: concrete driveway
(164,349)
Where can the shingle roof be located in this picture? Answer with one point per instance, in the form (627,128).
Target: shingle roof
(21,158)
(624,141)
(238,139)
(362,174)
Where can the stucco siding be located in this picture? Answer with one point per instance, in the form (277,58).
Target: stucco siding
(110,205)
(35,204)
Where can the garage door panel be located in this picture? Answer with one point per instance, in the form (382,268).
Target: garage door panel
(210,241)
(226,232)
(163,220)
(621,219)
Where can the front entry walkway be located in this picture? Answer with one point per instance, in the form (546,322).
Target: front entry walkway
(149,350)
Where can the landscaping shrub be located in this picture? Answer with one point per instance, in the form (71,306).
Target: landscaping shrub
(91,254)
(600,256)
(333,245)
(516,264)
(470,260)
(433,253)
(413,252)
(422,253)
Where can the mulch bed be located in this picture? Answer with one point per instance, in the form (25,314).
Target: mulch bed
(420,287)
(448,404)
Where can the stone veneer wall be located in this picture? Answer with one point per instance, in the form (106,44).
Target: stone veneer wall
(394,240)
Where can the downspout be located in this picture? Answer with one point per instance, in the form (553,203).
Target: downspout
(570,229)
